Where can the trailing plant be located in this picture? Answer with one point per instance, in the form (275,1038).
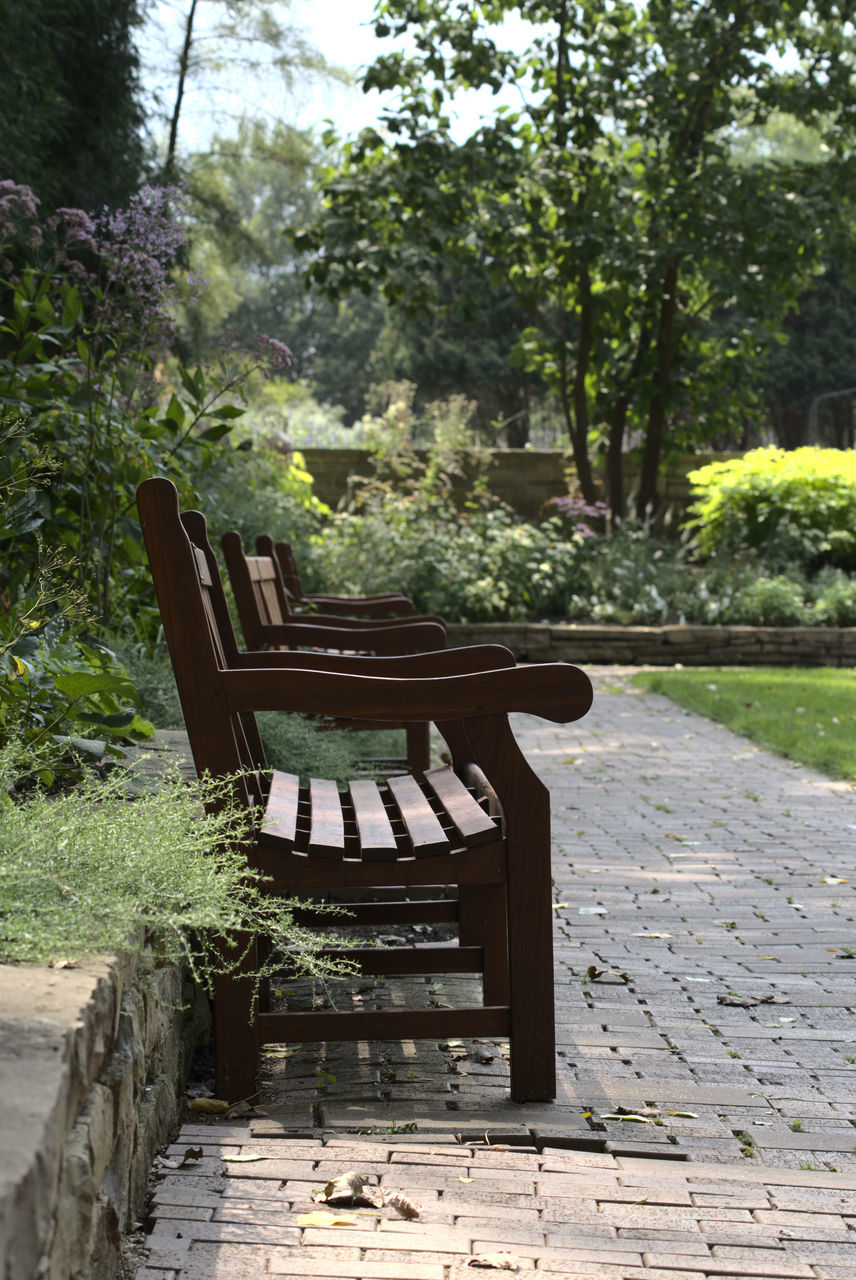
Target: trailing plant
(104,869)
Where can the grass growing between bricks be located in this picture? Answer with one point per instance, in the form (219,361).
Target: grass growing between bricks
(804,715)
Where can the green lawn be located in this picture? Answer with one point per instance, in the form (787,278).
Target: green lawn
(806,715)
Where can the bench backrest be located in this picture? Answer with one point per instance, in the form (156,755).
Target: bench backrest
(260,595)
(192,603)
(284,556)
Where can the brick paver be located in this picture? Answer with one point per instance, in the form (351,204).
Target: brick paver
(705,964)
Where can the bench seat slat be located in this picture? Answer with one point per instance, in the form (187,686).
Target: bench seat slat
(327,830)
(280,820)
(469,819)
(424,831)
(377,838)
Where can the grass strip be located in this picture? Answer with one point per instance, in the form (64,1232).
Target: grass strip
(803,714)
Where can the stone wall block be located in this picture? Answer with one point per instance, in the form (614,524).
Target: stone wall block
(691,646)
(92,1068)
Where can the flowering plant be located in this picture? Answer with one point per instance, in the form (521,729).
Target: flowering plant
(87,308)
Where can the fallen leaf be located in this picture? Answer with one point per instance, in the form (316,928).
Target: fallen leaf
(634,1119)
(652,935)
(592,972)
(833,879)
(748,1002)
(592,911)
(191,1155)
(320,1219)
(557,906)
(465,1179)
(348,1187)
(245,1159)
(398,1201)
(494,1261)
(685,1115)
(209,1106)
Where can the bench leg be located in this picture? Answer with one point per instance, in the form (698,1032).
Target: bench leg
(418,747)
(236,1031)
(483,924)
(533,1013)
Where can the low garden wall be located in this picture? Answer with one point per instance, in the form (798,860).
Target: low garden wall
(92,1063)
(524,478)
(691,646)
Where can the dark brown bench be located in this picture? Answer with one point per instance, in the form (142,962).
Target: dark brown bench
(482,825)
(389,605)
(267,622)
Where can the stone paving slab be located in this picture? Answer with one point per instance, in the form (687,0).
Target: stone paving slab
(704,930)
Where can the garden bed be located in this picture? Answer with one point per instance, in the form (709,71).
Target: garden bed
(688,645)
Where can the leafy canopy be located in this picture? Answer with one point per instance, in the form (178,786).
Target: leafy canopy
(651,269)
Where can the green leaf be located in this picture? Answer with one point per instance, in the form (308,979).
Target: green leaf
(72,307)
(175,411)
(215,433)
(80,684)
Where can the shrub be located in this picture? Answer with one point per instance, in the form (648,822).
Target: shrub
(789,508)
(95,870)
(835,599)
(770,602)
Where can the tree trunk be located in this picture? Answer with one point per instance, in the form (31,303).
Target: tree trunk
(655,434)
(183,64)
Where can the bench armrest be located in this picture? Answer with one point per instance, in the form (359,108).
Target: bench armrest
(439,662)
(555,691)
(390,606)
(410,637)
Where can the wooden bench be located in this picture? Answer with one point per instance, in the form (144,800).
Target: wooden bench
(482,824)
(267,622)
(390,605)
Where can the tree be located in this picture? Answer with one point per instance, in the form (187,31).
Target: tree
(70,116)
(448,350)
(649,265)
(217,47)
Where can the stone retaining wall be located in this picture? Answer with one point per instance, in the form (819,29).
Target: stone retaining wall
(524,478)
(690,646)
(92,1063)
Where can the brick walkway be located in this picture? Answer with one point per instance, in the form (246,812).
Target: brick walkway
(705,963)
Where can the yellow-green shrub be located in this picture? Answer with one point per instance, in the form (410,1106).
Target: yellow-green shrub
(795,507)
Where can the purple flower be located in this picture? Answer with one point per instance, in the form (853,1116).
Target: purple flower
(277,354)
(16,202)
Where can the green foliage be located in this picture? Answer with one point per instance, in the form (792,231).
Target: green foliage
(816,357)
(809,716)
(262,490)
(63,699)
(471,562)
(835,599)
(96,870)
(794,507)
(652,271)
(313,749)
(770,602)
(82,324)
(70,116)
